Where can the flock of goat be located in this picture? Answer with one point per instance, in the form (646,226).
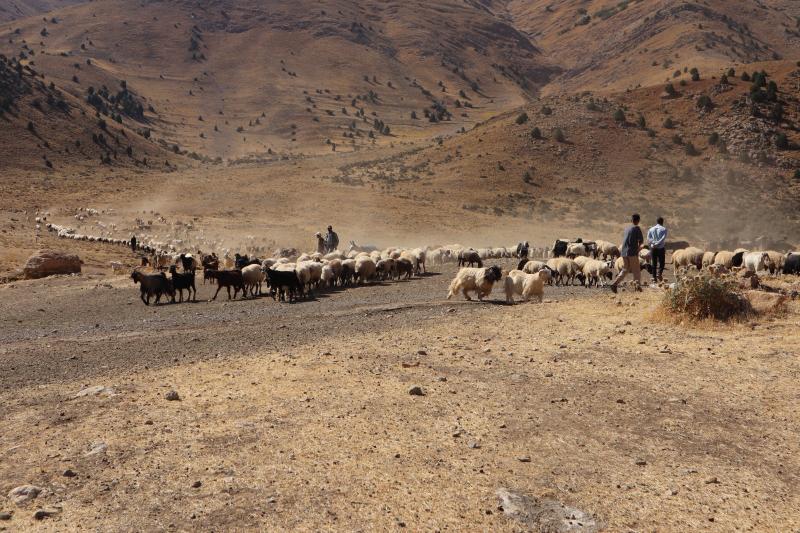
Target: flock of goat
(290,275)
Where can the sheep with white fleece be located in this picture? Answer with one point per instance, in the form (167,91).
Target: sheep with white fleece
(479,280)
(526,285)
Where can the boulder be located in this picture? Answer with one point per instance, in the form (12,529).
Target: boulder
(49,262)
(23,494)
(766,302)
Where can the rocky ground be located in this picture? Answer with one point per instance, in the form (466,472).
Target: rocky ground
(300,416)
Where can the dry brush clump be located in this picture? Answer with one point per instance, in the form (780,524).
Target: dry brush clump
(704,296)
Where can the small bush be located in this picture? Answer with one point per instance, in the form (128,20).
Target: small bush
(695,74)
(704,296)
(670,90)
(559,136)
(536,133)
(713,139)
(705,103)
(641,122)
(745,76)
(690,149)
(546,111)
(669,124)
(619,116)
(522,118)
(781,141)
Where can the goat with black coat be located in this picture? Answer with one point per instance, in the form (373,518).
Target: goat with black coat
(153,285)
(228,279)
(792,263)
(183,281)
(282,282)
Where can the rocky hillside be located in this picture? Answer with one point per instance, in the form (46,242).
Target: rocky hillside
(718,157)
(245,78)
(616,45)
(44,128)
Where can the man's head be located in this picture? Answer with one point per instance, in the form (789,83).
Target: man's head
(660,221)
(330,228)
(635,218)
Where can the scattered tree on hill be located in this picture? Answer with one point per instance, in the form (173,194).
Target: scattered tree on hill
(731,72)
(776,112)
(705,103)
(713,138)
(668,123)
(536,133)
(797,174)
(546,111)
(781,141)
(723,80)
(690,149)
(559,136)
(641,122)
(522,118)
(670,90)
(413,115)
(745,76)
(619,116)
(676,139)
(695,74)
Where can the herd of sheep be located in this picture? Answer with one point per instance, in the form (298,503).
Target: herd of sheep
(290,275)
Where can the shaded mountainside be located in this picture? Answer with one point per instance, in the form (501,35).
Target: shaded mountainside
(241,78)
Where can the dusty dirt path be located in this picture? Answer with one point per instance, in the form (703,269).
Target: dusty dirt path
(299,416)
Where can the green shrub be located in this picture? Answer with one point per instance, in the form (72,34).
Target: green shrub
(781,141)
(695,74)
(713,138)
(705,103)
(546,111)
(619,116)
(536,133)
(690,149)
(669,124)
(670,90)
(704,296)
(559,136)
(522,118)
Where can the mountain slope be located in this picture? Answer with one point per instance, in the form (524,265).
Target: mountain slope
(237,78)
(17,9)
(614,45)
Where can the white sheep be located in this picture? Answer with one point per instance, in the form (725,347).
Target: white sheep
(564,270)
(253,277)
(596,271)
(532,267)
(526,285)
(365,269)
(480,280)
(575,249)
(756,261)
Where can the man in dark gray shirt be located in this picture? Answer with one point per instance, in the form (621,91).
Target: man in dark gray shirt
(632,242)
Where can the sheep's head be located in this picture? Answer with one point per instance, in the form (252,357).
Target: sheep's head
(494,273)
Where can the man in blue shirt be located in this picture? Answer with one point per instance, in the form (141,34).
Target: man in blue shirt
(657,238)
(632,242)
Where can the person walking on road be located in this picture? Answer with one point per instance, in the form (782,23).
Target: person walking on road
(632,242)
(657,238)
(331,240)
(320,243)
(133,243)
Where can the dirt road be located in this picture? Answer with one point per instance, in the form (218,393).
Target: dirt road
(300,417)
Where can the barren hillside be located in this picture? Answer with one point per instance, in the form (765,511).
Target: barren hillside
(613,45)
(16,9)
(245,78)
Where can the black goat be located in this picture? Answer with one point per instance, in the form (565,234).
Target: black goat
(282,282)
(183,281)
(153,285)
(228,279)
